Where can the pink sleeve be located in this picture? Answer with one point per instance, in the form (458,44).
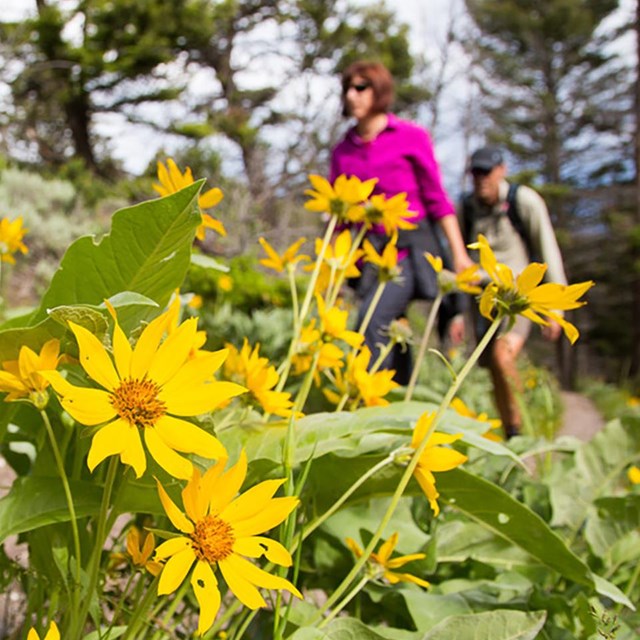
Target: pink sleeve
(432,192)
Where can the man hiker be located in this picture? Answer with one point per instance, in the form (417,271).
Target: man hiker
(516,223)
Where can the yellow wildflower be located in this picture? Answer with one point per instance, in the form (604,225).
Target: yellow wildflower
(465,281)
(259,377)
(525,295)
(333,323)
(310,342)
(382,566)
(146,391)
(280,262)
(634,474)
(338,255)
(11,234)
(461,408)
(173,180)
(387,261)
(434,457)
(52,634)
(21,378)
(342,199)
(140,547)
(225,282)
(219,530)
(372,387)
(633,402)
(391,213)
(195,302)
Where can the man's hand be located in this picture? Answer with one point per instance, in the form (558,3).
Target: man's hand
(456,330)
(552,331)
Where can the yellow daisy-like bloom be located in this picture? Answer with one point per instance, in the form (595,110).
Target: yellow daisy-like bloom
(225,282)
(434,457)
(140,547)
(11,234)
(52,634)
(246,367)
(147,389)
(465,281)
(21,378)
(279,262)
(195,302)
(391,213)
(372,387)
(634,474)
(173,180)
(382,566)
(338,254)
(387,261)
(525,295)
(310,342)
(342,199)
(333,324)
(461,408)
(219,530)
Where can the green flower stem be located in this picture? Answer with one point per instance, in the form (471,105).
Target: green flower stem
(310,528)
(345,601)
(384,352)
(342,275)
(408,473)
(70,506)
(121,600)
(423,345)
(171,609)
(229,612)
(140,612)
(101,535)
(298,322)
(372,307)
(249,616)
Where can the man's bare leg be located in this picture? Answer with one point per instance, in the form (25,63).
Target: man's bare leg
(504,372)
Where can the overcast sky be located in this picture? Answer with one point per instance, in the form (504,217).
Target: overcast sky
(427,19)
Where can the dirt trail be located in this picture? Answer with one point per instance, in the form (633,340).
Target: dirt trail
(581,418)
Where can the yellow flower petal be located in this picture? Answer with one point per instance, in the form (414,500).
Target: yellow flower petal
(173,463)
(173,352)
(201,399)
(271,515)
(239,585)
(185,437)
(531,277)
(257,576)
(257,546)
(210,198)
(228,485)
(94,358)
(205,587)
(175,571)
(147,346)
(441,458)
(251,501)
(133,453)
(122,350)
(178,519)
(87,406)
(110,440)
(172,546)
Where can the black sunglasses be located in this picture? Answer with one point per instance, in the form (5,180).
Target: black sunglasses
(360,87)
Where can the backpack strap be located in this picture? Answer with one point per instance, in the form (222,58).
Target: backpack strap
(513,213)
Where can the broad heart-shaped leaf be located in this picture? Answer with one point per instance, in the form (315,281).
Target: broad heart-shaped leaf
(490,625)
(37,501)
(350,434)
(490,505)
(147,251)
(341,629)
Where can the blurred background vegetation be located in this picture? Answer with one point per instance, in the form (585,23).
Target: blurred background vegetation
(245,92)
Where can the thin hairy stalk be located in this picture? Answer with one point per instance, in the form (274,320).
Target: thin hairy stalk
(431,319)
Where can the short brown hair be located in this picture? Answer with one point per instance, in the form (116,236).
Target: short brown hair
(381,82)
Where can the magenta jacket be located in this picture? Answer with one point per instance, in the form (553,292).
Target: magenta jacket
(402,159)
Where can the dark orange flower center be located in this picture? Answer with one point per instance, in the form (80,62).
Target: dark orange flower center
(137,402)
(212,539)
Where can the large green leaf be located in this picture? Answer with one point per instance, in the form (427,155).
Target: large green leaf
(498,511)
(490,625)
(147,251)
(39,501)
(342,629)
